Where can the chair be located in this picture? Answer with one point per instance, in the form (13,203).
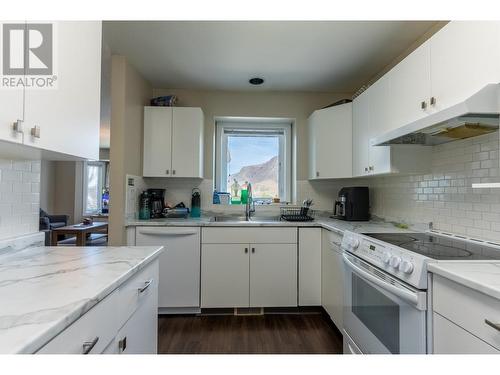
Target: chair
(49,222)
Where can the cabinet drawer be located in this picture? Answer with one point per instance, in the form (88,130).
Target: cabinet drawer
(99,322)
(249,235)
(136,290)
(451,339)
(472,312)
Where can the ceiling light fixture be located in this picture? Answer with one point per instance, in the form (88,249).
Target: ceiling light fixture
(256,81)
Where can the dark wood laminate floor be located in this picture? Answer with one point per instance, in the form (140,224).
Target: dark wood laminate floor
(266,334)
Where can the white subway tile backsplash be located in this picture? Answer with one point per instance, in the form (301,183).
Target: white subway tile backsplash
(19,197)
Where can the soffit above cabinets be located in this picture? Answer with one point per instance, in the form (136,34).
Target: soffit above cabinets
(289,55)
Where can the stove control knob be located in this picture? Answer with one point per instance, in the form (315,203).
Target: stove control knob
(406,266)
(386,257)
(354,243)
(394,262)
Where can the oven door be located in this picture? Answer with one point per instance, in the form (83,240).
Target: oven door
(382,314)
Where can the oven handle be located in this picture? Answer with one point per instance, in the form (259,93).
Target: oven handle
(414,298)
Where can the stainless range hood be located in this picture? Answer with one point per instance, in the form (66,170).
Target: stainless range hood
(475,116)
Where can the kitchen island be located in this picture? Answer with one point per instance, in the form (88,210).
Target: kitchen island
(47,290)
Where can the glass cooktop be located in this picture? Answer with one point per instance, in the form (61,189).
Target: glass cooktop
(439,247)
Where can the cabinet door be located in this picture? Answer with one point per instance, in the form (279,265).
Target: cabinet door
(157,151)
(332,277)
(448,338)
(224,275)
(273,275)
(380,106)
(179,283)
(309,266)
(12,100)
(331,142)
(464,59)
(379,157)
(313,132)
(139,335)
(360,134)
(69,115)
(12,110)
(409,86)
(187,142)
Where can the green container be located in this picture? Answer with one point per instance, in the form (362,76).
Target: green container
(244,196)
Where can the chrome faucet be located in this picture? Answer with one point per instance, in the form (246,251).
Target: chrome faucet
(250,203)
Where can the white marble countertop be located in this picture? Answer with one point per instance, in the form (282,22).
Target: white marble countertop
(45,289)
(335,225)
(483,276)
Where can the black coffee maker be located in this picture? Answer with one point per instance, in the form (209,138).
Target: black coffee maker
(352,204)
(156,202)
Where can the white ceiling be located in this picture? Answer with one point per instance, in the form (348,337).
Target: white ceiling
(291,56)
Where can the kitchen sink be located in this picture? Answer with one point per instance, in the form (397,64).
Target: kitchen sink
(242,219)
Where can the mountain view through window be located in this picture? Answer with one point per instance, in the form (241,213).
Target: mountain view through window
(254,159)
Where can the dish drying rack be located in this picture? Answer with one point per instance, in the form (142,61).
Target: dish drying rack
(296,213)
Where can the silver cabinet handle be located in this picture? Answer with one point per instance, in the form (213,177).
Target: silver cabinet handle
(173,171)
(147,284)
(18,126)
(366,169)
(433,101)
(246,250)
(492,325)
(317,174)
(253,249)
(35,131)
(423,105)
(167,171)
(89,345)
(122,344)
(371,168)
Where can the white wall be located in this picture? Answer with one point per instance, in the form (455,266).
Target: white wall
(19,197)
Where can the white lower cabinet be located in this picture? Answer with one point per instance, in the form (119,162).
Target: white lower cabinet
(332,277)
(130,311)
(258,274)
(474,327)
(310,266)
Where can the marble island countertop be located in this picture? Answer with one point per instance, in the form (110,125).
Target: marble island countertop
(336,225)
(45,289)
(483,276)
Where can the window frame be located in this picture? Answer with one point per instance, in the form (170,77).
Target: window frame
(101,182)
(284,156)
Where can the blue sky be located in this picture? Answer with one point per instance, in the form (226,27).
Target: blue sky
(250,150)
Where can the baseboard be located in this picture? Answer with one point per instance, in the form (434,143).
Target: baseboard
(179,310)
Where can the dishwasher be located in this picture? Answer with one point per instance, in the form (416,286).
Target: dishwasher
(179,281)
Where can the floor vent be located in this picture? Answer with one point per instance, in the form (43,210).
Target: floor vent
(249,311)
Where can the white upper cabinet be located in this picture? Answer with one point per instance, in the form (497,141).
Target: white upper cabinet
(330,142)
(173,142)
(410,88)
(68,116)
(465,57)
(64,118)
